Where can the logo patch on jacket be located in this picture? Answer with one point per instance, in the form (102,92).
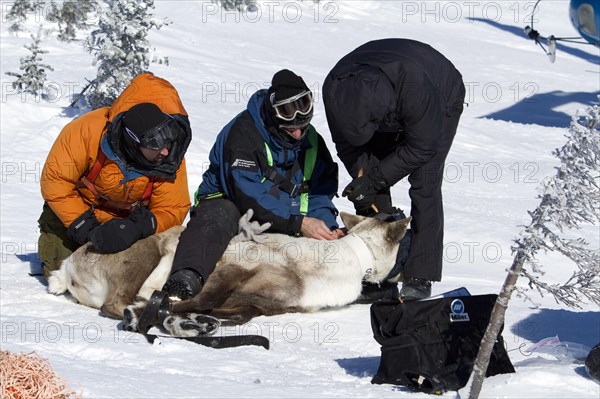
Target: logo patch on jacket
(243,164)
(457,307)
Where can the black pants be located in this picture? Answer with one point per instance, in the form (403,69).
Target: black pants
(427,226)
(427,211)
(213,223)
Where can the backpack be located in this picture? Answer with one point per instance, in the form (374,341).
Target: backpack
(431,345)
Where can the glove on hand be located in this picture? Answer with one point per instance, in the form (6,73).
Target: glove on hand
(79,231)
(119,234)
(250,231)
(381,206)
(362,191)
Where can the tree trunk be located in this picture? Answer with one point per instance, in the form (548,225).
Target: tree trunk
(496,322)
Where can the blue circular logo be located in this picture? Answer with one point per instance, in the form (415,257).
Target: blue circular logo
(457,306)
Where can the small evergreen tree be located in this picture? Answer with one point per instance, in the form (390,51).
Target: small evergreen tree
(239,5)
(33,78)
(569,199)
(71,16)
(120,48)
(19,10)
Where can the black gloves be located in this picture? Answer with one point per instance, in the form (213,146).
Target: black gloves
(381,204)
(119,234)
(79,231)
(363,190)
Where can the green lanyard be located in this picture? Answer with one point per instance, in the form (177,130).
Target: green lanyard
(310,159)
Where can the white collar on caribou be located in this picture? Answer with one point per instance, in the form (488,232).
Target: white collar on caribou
(363,252)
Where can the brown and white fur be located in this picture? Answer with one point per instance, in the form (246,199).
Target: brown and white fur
(110,282)
(271,275)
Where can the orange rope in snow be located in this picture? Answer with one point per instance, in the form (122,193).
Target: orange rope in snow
(29,376)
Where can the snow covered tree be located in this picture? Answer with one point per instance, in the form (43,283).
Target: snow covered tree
(568,200)
(240,5)
(33,78)
(19,10)
(120,48)
(71,15)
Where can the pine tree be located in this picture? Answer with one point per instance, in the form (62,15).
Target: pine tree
(33,78)
(19,10)
(239,5)
(120,48)
(71,16)
(568,200)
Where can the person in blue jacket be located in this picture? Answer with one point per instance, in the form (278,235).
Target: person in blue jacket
(270,159)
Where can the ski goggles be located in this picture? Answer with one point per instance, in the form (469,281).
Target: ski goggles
(157,137)
(289,108)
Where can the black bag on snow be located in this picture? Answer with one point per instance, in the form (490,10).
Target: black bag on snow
(592,363)
(431,345)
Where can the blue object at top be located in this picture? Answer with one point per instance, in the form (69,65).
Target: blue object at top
(585,17)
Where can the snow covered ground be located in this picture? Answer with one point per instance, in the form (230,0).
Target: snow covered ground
(519,106)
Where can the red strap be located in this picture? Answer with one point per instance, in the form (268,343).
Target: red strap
(93,174)
(88,182)
(148,191)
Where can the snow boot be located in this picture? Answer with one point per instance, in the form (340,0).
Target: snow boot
(372,292)
(414,289)
(183,284)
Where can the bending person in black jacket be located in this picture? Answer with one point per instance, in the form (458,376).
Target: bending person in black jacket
(393,108)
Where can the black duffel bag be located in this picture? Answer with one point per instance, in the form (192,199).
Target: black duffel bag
(592,363)
(431,346)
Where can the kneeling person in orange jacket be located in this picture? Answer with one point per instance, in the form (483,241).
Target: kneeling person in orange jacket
(117,174)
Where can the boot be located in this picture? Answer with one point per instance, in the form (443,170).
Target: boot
(414,289)
(184,284)
(373,292)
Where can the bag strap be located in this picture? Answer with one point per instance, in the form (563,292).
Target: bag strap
(310,159)
(285,184)
(105,202)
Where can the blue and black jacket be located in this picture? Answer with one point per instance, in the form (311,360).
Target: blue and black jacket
(245,158)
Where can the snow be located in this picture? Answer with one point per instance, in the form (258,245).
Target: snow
(519,106)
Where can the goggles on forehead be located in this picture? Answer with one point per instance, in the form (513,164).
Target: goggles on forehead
(157,137)
(289,108)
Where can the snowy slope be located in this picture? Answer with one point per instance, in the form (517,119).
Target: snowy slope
(519,104)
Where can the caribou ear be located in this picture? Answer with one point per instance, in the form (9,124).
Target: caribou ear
(351,220)
(395,231)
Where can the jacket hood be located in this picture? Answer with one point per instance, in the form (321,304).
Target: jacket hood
(148,88)
(359,101)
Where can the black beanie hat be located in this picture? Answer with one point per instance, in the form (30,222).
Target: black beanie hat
(286,84)
(142,117)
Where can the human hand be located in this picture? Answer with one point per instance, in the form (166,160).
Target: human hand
(316,228)
(340,232)
(363,190)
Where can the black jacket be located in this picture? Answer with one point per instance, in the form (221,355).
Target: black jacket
(392,86)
